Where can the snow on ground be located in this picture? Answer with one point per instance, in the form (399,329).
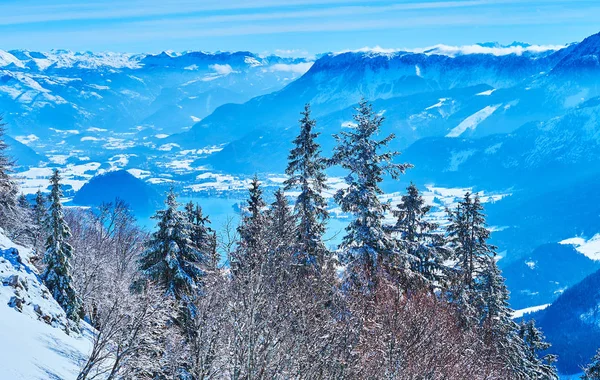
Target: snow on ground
(139,173)
(472,121)
(36,178)
(32,325)
(590,248)
(27,139)
(522,312)
(486,93)
(438,104)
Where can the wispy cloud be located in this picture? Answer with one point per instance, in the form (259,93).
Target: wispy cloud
(461,50)
(299,68)
(290,24)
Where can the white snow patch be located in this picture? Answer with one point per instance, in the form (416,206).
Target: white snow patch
(296,68)
(6,59)
(521,312)
(27,139)
(438,104)
(590,248)
(472,121)
(486,93)
(11,91)
(139,173)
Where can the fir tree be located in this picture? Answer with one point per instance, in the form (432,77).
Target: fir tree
(366,245)
(57,275)
(535,342)
(306,171)
(171,259)
(201,236)
(253,246)
(421,251)
(467,236)
(282,225)
(592,371)
(9,209)
(254,220)
(495,316)
(39,216)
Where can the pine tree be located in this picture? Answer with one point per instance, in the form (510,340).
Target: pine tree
(592,371)
(306,171)
(254,221)
(282,225)
(39,216)
(467,236)
(171,259)
(535,342)
(421,251)
(9,210)
(201,236)
(366,245)
(495,316)
(57,275)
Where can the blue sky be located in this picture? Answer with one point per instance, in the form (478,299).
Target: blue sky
(295,27)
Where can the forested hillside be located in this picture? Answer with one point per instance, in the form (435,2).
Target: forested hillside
(267,298)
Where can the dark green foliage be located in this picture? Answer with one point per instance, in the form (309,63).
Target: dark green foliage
(306,172)
(172,259)
(366,245)
(57,274)
(420,248)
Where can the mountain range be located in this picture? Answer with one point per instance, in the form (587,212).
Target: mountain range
(519,119)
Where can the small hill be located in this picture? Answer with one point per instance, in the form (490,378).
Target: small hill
(139,195)
(22,154)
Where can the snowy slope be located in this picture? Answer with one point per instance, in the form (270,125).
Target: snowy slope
(32,325)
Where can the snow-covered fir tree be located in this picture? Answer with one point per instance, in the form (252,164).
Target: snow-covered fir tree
(171,259)
(592,371)
(420,248)
(39,216)
(467,237)
(306,171)
(501,332)
(57,274)
(201,235)
(252,229)
(9,209)
(539,366)
(366,245)
(282,225)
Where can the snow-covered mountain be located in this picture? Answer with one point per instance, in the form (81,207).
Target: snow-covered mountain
(38,341)
(423,94)
(71,91)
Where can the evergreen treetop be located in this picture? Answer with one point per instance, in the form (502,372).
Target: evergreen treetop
(306,171)
(171,259)
(57,274)
(366,245)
